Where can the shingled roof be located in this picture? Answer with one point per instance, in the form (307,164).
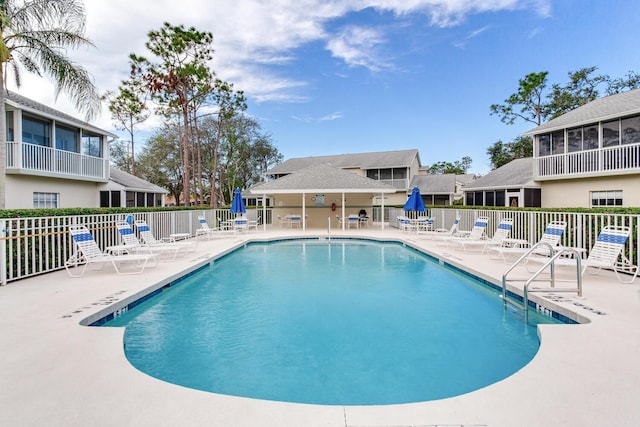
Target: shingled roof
(383,159)
(133,183)
(322,178)
(601,109)
(32,106)
(440,184)
(515,174)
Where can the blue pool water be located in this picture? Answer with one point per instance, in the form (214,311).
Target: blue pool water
(354,323)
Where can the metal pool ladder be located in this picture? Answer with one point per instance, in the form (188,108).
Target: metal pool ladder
(550,263)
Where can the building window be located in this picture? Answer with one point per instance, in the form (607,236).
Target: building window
(606,198)
(45,200)
(399,173)
(478,198)
(574,140)
(9,126)
(544,145)
(66,139)
(631,130)
(611,133)
(590,137)
(91,144)
(109,199)
(489,198)
(557,142)
(35,131)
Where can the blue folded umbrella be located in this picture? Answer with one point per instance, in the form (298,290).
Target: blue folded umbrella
(415,202)
(237,205)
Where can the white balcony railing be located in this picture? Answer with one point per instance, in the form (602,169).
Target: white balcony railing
(400,184)
(25,158)
(623,158)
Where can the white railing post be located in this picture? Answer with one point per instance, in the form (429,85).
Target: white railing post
(3,252)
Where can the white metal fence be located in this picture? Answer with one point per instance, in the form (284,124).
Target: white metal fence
(33,246)
(582,227)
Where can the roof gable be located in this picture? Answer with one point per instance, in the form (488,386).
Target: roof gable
(516,173)
(383,159)
(322,177)
(131,182)
(601,109)
(435,184)
(37,108)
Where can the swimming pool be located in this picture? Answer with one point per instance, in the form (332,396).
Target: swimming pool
(346,323)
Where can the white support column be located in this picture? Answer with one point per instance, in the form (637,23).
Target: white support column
(264,212)
(343,211)
(304,211)
(382,223)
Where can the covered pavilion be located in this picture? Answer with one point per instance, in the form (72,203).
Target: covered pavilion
(320,191)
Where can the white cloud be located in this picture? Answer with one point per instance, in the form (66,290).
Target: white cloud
(327,118)
(253,39)
(356,46)
(461,44)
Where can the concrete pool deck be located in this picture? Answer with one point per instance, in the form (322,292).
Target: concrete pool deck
(56,372)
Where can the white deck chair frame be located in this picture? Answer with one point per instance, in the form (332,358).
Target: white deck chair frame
(503,230)
(133,245)
(87,252)
(607,253)
(443,233)
(552,234)
(150,240)
(478,232)
(209,232)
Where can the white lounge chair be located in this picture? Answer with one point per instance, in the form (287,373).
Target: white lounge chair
(87,252)
(131,244)
(150,240)
(442,233)
(476,233)
(210,232)
(502,232)
(512,248)
(607,252)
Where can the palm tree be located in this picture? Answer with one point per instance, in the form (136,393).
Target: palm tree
(34,35)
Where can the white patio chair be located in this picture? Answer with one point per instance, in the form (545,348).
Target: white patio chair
(503,230)
(404,223)
(607,253)
(150,240)
(512,248)
(87,252)
(241,224)
(131,244)
(442,233)
(295,221)
(353,221)
(209,232)
(478,232)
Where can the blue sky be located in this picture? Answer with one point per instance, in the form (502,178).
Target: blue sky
(334,77)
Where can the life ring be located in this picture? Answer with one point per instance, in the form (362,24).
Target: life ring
(333,207)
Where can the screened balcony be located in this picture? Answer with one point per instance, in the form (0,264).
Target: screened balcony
(604,161)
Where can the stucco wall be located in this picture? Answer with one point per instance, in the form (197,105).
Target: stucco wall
(72,194)
(575,192)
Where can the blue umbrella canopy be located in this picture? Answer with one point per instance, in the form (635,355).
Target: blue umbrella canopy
(237,205)
(415,202)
